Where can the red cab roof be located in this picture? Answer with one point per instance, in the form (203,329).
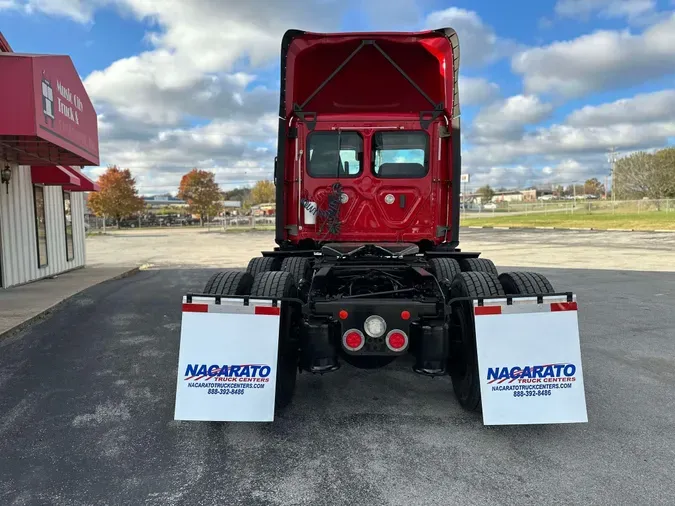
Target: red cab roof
(376,72)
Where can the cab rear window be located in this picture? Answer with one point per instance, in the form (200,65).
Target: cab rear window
(334,154)
(400,154)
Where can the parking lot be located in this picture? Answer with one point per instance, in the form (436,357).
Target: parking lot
(86,399)
(192,246)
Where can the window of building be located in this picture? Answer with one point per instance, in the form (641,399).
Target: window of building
(40,225)
(334,154)
(69,225)
(400,154)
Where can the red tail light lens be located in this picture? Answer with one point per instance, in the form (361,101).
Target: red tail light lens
(343,314)
(405,315)
(353,340)
(397,340)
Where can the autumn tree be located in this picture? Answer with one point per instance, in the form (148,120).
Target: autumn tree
(201,192)
(486,193)
(594,187)
(263,192)
(117,196)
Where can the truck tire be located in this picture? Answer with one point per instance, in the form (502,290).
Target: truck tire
(445,269)
(229,283)
(263,264)
(281,284)
(520,283)
(299,267)
(478,265)
(463,364)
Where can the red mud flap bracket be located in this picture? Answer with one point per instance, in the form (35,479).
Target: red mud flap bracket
(529,360)
(227,362)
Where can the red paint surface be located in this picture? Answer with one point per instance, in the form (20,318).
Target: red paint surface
(71,136)
(485,310)
(267,310)
(564,306)
(53,175)
(195,308)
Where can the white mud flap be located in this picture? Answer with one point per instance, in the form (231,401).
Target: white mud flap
(529,361)
(227,364)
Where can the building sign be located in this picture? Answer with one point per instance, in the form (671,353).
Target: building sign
(45,103)
(65,115)
(464,178)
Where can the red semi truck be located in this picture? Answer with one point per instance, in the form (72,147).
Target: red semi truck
(367,266)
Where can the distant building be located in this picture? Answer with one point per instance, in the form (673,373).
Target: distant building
(515,196)
(157,201)
(265,209)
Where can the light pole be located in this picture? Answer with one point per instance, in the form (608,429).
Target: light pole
(611,159)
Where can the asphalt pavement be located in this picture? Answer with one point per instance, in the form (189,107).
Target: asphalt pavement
(87,398)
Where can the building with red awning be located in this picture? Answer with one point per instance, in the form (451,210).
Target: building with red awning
(48,132)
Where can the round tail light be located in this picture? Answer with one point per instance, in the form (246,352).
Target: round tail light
(397,340)
(375,326)
(353,340)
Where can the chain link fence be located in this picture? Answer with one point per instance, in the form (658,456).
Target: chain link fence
(94,224)
(585,206)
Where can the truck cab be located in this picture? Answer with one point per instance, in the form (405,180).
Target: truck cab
(368,145)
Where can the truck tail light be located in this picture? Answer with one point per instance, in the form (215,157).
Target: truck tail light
(353,340)
(397,340)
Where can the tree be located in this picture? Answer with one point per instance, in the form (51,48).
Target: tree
(642,174)
(594,187)
(198,188)
(575,189)
(118,196)
(665,180)
(263,192)
(486,193)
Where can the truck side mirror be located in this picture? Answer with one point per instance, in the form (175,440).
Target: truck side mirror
(276,164)
(347,168)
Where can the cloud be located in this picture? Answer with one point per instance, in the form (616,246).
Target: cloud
(195,98)
(238,151)
(478,42)
(505,120)
(476,91)
(644,108)
(575,149)
(633,10)
(80,11)
(599,61)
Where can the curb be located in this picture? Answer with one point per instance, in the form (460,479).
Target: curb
(46,312)
(660,231)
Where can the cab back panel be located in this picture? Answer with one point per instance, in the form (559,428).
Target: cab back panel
(375,209)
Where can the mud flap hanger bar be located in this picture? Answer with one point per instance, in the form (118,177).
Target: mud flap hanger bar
(426,117)
(246,299)
(509,298)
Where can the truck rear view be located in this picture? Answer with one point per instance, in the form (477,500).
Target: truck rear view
(367,267)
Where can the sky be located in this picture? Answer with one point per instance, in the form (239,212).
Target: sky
(547,87)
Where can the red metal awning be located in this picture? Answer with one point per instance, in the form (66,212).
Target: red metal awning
(47,117)
(85,184)
(53,175)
